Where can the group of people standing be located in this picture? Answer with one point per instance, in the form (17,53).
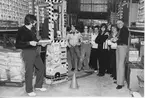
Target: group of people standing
(101,48)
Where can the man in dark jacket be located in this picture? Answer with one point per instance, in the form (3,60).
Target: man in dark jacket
(27,41)
(121,51)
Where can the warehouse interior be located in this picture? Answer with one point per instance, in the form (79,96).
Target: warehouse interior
(65,82)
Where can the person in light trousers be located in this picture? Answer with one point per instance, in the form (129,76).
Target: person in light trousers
(74,42)
(85,49)
(121,51)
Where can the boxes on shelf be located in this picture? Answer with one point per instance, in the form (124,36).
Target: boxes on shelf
(132,70)
(133,55)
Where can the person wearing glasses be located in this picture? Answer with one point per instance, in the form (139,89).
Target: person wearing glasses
(85,49)
(93,63)
(121,51)
(27,41)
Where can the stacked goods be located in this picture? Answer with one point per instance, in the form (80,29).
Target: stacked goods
(3,65)
(16,66)
(53,57)
(13,10)
(140,16)
(56,62)
(11,66)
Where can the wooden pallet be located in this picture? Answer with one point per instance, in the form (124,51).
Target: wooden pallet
(56,80)
(11,84)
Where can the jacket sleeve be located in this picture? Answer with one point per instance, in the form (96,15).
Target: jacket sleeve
(20,40)
(123,36)
(100,39)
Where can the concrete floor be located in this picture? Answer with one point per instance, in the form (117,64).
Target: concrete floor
(89,86)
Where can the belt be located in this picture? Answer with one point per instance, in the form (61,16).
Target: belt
(121,44)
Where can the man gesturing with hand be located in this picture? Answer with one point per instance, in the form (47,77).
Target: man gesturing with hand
(27,41)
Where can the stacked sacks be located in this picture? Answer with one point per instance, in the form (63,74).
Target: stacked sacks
(53,59)
(3,65)
(14,67)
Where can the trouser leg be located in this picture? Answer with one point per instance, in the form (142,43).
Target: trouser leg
(87,57)
(77,57)
(29,59)
(122,50)
(69,58)
(39,72)
(72,56)
(101,62)
(114,62)
(82,57)
(93,59)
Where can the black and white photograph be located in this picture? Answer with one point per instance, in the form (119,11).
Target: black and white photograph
(72,48)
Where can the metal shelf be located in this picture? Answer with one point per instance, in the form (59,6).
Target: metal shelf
(138,31)
(8,30)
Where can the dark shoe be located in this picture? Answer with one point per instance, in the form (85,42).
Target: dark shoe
(115,82)
(72,69)
(114,78)
(100,74)
(79,69)
(119,86)
(111,75)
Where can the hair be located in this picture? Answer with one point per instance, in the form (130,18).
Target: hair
(121,20)
(96,27)
(104,25)
(55,11)
(29,18)
(114,25)
(68,29)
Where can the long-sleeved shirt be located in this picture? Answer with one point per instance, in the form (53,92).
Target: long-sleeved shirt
(101,40)
(74,39)
(86,38)
(24,36)
(112,45)
(94,44)
(123,36)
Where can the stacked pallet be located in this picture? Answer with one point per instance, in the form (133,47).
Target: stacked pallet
(11,67)
(56,62)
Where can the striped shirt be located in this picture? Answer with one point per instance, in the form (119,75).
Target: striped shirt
(86,38)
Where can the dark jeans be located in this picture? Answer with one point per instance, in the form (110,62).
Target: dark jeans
(113,61)
(102,57)
(93,59)
(32,59)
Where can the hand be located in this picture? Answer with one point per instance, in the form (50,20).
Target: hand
(44,44)
(114,39)
(33,43)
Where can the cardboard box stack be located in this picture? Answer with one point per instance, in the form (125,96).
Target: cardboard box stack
(11,66)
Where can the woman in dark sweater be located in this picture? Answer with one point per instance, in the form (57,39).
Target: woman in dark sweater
(102,49)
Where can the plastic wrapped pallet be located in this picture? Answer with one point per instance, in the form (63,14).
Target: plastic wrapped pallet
(11,65)
(3,73)
(16,73)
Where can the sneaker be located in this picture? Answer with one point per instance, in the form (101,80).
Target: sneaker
(95,71)
(41,89)
(32,94)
